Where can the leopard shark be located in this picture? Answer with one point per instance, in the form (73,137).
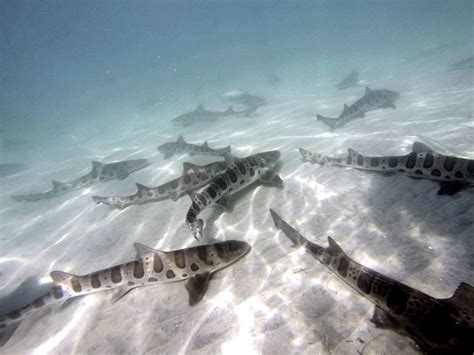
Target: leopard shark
(194,265)
(422,162)
(438,326)
(200,114)
(181,146)
(193,177)
(100,172)
(349,81)
(372,100)
(240,173)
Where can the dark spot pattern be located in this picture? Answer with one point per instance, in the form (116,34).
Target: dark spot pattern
(349,160)
(194,267)
(241,167)
(418,172)
(449,163)
(14,315)
(252,172)
(360,160)
(138,271)
(429,160)
(221,182)
(157,263)
(392,162)
(233,176)
(436,172)
(411,160)
(130,283)
(374,162)
(186,178)
(343,266)
(161,189)
(76,284)
(459,175)
(116,274)
(58,292)
(95,281)
(37,303)
(211,192)
(170,274)
(220,250)
(397,300)
(364,282)
(179,259)
(202,253)
(202,199)
(152,279)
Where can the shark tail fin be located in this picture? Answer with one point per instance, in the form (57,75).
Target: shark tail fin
(289,231)
(61,278)
(7,332)
(328,121)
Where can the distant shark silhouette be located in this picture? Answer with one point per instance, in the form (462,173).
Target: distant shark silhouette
(372,100)
(100,172)
(349,81)
(181,146)
(200,114)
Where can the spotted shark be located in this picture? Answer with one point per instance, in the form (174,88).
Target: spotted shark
(100,172)
(193,177)
(438,326)
(453,173)
(372,100)
(193,265)
(200,114)
(181,146)
(240,173)
(349,81)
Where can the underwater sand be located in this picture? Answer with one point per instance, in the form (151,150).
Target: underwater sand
(276,300)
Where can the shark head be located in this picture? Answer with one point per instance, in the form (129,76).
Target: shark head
(270,157)
(232,250)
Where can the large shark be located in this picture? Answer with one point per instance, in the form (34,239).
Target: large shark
(240,173)
(193,177)
(349,81)
(200,114)
(422,162)
(372,100)
(467,63)
(438,326)
(181,146)
(195,265)
(100,172)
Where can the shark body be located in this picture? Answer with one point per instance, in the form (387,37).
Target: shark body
(438,326)
(181,146)
(454,173)
(372,100)
(240,173)
(100,172)
(200,114)
(195,265)
(193,177)
(349,81)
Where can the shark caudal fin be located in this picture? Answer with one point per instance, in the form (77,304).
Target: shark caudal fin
(328,121)
(289,231)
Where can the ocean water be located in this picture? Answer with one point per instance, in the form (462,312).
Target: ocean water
(97,80)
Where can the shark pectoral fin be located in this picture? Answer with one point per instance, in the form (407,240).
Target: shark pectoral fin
(168,155)
(419,147)
(196,287)
(464,296)
(271,178)
(224,202)
(451,187)
(382,320)
(122,292)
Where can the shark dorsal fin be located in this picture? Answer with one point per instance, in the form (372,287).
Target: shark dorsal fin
(419,147)
(143,250)
(180,140)
(352,153)
(187,166)
(333,247)
(346,108)
(367,90)
(96,165)
(60,277)
(57,184)
(196,287)
(141,187)
(464,295)
(205,145)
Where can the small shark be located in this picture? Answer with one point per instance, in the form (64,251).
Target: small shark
(100,172)
(438,326)
(238,97)
(467,63)
(200,114)
(180,146)
(372,100)
(240,173)
(349,81)
(423,162)
(195,265)
(193,177)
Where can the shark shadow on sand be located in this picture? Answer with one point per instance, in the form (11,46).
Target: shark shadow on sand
(436,325)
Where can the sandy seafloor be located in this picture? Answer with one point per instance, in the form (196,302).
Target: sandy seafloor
(276,300)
